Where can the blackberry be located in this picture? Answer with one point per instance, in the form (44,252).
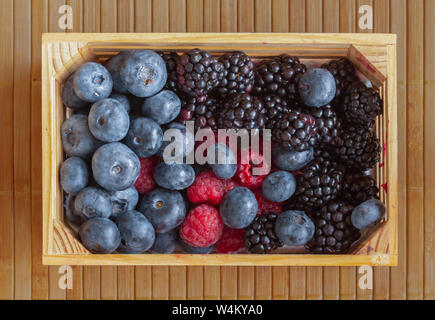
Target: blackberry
(361,105)
(198,73)
(359,148)
(279,76)
(276,107)
(344,73)
(259,236)
(327,123)
(320,181)
(239,74)
(202,113)
(242,111)
(334,231)
(358,187)
(295,129)
(171,61)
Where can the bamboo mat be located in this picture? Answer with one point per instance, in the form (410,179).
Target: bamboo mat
(22,275)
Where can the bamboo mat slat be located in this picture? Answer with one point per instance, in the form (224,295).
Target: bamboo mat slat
(398,26)
(22,274)
(429,154)
(415,165)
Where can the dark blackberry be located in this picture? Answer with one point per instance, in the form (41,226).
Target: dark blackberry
(279,75)
(360,105)
(334,231)
(295,129)
(198,73)
(276,107)
(344,73)
(171,61)
(320,181)
(260,237)
(328,125)
(242,111)
(239,74)
(202,113)
(359,148)
(358,187)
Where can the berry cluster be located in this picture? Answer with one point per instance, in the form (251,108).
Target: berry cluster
(123,197)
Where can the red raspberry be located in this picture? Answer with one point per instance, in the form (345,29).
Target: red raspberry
(231,241)
(145,182)
(266,206)
(230,184)
(244,172)
(202,227)
(206,188)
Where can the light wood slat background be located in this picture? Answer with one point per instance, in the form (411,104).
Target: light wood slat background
(22,275)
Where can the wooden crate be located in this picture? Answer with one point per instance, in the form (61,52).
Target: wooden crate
(373,54)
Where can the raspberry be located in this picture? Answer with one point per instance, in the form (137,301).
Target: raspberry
(229,184)
(266,206)
(231,241)
(145,182)
(202,227)
(244,172)
(206,188)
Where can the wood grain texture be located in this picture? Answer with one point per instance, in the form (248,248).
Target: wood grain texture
(415,161)
(429,154)
(7,159)
(39,272)
(398,25)
(413,278)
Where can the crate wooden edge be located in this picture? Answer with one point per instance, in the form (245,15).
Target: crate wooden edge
(50,169)
(221,260)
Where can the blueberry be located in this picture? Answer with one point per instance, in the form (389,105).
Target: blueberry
(294,228)
(279,186)
(77,140)
(162,107)
(143,73)
(179,148)
(92,82)
(367,214)
(69,97)
(174,176)
(123,201)
(194,250)
(238,208)
(165,242)
(100,235)
(144,137)
(122,99)
(74,175)
(115,166)
(113,65)
(74,217)
(225,164)
(137,233)
(92,202)
(288,159)
(164,208)
(317,87)
(108,120)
